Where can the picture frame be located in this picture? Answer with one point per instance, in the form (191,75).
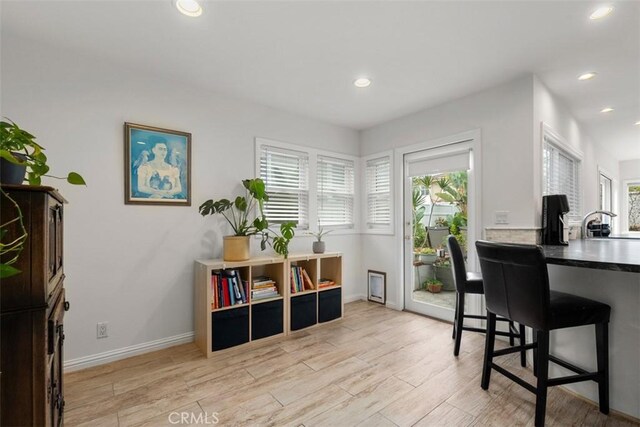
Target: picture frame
(157,166)
(377,286)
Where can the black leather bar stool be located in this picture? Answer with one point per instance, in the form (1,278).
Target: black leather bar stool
(516,285)
(471,283)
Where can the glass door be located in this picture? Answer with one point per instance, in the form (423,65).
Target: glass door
(436,189)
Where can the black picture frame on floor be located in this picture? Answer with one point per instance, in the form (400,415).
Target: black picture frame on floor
(377,286)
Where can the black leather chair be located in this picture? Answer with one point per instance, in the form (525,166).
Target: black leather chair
(471,283)
(516,285)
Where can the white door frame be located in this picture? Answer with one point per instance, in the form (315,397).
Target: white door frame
(474,206)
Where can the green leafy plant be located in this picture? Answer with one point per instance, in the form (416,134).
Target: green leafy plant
(425,251)
(19,147)
(239,215)
(320,233)
(433,186)
(433,285)
(10,251)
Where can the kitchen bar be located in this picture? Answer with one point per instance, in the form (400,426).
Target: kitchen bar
(605,270)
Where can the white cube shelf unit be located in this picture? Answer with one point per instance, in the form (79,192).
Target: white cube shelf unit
(221,323)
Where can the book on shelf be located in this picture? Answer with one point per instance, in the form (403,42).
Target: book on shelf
(300,280)
(228,288)
(325,283)
(263,287)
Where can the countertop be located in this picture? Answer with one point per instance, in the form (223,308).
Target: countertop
(602,254)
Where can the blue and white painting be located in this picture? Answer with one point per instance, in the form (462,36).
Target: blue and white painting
(158,165)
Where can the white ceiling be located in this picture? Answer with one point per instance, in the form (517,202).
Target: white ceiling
(302,56)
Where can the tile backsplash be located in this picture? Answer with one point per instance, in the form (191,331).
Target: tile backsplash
(529,236)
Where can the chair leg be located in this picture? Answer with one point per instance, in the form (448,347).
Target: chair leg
(602,350)
(523,341)
(543,375)
(459,323)
(511,328)
(488,350)
(455,318)
(534,334)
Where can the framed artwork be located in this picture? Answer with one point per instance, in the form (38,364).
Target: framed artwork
(377,286)
(157,166)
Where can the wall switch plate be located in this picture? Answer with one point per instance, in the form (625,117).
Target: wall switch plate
(102,331)
(502,217)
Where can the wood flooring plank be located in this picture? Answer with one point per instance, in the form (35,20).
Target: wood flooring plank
(360,407)
(446,415)
(298,388)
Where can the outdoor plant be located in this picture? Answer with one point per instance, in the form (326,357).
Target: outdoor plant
(19,147)
(433,187)
(433,285)
(240,215)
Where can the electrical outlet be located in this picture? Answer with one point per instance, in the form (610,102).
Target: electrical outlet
(502,217)
(102,331)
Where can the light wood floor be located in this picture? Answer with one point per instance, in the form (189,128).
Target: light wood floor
(375,367)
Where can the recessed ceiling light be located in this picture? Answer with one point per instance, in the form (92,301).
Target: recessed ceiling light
(606,110)
(189,7)
(601,12)
(638,123)
(587,76)
(362,82)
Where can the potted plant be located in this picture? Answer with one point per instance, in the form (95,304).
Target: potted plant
(442,270)
(433,285)
(319,246)
(18,153)
(425,255)
(22,155)
(237,213)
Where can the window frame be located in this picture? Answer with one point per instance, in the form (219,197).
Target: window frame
(313,154)
(364,201)
(625,205)
(560,144)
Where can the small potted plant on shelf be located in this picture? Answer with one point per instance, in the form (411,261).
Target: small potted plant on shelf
(19,153)
(433,285)
(237,213)
(319,246)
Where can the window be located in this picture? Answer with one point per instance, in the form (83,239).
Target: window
(286,176)
(336,187)
(606,190)
(309,186)
(378,179)
(632,199)
(561,175)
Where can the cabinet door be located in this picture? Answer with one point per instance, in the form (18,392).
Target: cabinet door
(55,394)
(54,243)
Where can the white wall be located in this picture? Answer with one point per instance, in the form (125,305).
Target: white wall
(133,265)
(504,115)
(551,111)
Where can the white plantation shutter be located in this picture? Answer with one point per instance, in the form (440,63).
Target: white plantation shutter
(286,176)
(561,175)
(378,177)
(336,188)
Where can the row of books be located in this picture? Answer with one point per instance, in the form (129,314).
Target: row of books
(263,287)
(300,280)
(228,288)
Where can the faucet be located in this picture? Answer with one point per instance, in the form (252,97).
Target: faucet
(584,220)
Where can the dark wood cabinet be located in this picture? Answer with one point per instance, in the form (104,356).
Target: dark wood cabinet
(32,307)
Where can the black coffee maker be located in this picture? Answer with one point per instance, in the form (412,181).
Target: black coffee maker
(555,230)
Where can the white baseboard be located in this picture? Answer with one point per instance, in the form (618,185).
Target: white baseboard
(123,353)
(393,306)
(352,298)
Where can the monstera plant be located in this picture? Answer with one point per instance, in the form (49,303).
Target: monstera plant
(245,215)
